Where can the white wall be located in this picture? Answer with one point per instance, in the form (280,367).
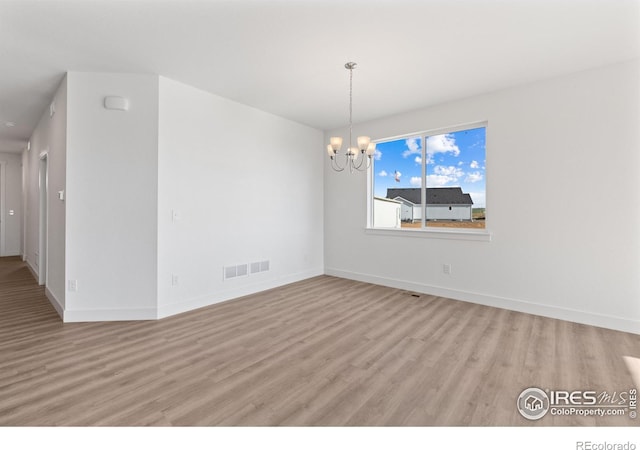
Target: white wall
(48,137)
(12,196)
(217,160)
(111,197)
(557,151)
(57,172)
(25,195)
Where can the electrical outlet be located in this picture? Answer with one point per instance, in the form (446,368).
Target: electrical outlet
(72,285)
(446,269)
(175,281)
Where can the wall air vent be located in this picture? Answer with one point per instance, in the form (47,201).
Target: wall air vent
(244,270)
(229,272)
(240,270)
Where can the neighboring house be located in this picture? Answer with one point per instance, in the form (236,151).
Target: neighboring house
(409,211)
(386,212)
(443,203)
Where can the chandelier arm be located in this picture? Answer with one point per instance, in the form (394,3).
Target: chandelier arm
(335,166)
(361,158)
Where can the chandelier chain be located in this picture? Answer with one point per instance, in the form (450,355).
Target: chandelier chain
(350,102)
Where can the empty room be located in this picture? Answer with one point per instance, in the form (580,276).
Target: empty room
(320,213)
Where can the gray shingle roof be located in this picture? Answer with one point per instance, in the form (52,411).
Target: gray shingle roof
(435,196)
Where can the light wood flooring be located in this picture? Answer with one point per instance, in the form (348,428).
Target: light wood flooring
(324,351)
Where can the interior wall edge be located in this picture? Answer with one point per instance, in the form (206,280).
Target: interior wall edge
(32,269)
(57,304)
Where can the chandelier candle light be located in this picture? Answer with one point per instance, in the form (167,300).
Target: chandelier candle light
(355,156)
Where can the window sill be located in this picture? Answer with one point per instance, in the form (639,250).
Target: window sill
(456,234)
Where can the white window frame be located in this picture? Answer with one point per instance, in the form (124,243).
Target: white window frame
(470,234)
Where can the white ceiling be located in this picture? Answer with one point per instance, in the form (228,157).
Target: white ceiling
(287,57)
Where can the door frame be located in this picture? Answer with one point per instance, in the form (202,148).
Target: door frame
(43,205)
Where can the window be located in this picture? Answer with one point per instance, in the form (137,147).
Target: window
(442,173)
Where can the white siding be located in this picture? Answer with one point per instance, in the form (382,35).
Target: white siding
(386,214)
(406,212)
(453,212)
(417,213)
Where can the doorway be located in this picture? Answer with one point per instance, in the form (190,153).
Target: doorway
(3,230)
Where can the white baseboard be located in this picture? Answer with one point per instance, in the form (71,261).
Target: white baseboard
(57,305)
(33,270)
(101,315)
(108,315)
(218,297)
(554,312)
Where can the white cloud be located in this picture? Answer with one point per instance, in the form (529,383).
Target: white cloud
(474,164)
(451,171)
(416,181)
(444,176)
(377,155)
(413,147)
(472,177)
(437,180)
(460,163)
(442,143)
(383,173)
(418,160)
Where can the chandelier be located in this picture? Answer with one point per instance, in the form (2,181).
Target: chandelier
(355,156)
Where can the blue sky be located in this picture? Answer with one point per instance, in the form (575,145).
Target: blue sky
(453,159)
